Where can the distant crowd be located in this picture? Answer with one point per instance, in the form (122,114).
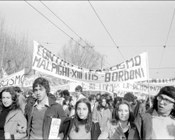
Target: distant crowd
(96,116)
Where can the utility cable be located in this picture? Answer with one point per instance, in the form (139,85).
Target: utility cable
(167,37)
(106,29)
(170,28)
(52,23)
(63,22)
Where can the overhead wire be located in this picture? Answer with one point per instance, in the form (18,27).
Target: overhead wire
(63,22)
(167,37)
(106,30)
(52,23)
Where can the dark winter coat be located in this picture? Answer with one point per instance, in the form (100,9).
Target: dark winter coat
(54,110)
(68,124)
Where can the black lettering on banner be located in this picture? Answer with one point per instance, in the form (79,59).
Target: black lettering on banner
(137,73)
(56,60)
(48,65)
(18,79)
(85,76)
(45,56)
(94,77)
(10,82)
(79,75)
(54,67)
(40,52)
(36,61)
(121,65)
(89,76)
(105,86)
(43,64)
(2,83)
(107,77)
(129,63)
(49,55)
(126,75)
(60,70)
(137,60)
(120,76)
(74,73)
(65,71)
(114,76)
(131,74)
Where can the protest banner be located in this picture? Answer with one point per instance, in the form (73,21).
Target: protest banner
(15,79)
(139,88)
(135,69)
(170,81)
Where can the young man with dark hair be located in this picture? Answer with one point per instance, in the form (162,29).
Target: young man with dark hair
(44,109)
(79,91)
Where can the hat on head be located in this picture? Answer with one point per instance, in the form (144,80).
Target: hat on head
(168,90)
(129,96)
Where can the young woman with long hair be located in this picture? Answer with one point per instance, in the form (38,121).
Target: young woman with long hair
(121,126)
(80,126)
(13,124)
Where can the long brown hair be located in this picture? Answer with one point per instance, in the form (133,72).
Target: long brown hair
(88,121)
(116,116)
(15,104)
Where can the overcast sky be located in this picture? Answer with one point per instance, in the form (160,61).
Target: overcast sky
(135,26)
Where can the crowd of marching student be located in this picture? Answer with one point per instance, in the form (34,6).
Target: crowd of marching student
(99,116)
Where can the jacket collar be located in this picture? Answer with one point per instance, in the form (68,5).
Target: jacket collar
(11,114)
(51,101)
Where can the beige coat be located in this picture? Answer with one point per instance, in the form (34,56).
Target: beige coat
(16,124)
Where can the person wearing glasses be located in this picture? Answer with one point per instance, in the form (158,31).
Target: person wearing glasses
(159,121)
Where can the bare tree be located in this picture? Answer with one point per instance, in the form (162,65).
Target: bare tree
(15,51)
(82,56)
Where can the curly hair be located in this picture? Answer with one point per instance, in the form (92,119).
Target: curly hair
(100,102)
(42,82)
(88,123)
(15,104)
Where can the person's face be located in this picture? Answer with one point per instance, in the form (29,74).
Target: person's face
(6,99)
(98,96)
(103,102)
(77,92)
(40,92)
(165,104)
(123,112)
(82,111)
